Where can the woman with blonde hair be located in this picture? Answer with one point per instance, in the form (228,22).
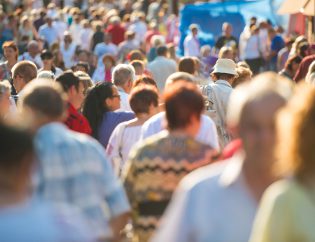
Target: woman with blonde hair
(287,210)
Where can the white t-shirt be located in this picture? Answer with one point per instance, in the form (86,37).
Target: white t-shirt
(68,54)
(207,133)
(121,141)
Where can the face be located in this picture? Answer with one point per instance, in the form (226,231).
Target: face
(227,30)
(9,53)
(47,61)
(4,103)
(108,63)
(18,83)
(76,97)
(113,103)
(257,130)
(33,50)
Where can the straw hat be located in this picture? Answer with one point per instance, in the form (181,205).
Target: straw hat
(227,66)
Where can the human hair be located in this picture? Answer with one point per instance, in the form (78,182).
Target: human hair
(243,75)
(161,50)
(137,64)
(311,79)
(25,69)
(123,73)
(46,98)
(221,76)
(67,80)
(12,45)
(109,57)
(145,80)
(84,65)
(85,79)
(187,64)
(182,101)
(135,55)
(5,87)
(16,147)
(296,130)
(142,97)
(157,40)
(262,86)
(294,59)
(224,52)
(178,76)
(94,106)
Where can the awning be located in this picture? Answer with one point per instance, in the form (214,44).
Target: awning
(307,7)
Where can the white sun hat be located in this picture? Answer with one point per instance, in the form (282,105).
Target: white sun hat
(227,66)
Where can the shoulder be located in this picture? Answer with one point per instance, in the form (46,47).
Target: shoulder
(206,177)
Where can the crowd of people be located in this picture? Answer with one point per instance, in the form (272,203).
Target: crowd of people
(107,134)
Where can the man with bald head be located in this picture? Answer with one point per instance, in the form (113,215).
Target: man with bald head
(218,203)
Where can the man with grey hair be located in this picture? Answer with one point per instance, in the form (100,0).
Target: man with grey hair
(123,77)
(224,196)
(73,168)
(32,54)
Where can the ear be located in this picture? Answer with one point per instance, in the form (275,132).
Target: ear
(108,103)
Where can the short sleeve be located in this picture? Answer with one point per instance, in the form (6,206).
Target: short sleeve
(272,220)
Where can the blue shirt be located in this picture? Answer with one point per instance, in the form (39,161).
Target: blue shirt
(36,221)
(109,123)
(73,169)
(50,34)
(277,44)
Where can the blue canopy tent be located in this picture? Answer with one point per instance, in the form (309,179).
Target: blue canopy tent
(211,16)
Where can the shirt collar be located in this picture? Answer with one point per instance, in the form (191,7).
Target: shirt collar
(121,90)
(223,82)
(232,173)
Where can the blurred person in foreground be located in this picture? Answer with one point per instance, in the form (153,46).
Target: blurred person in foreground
(224,196)
(73,168)
(20,215)
(287,211)
(167,156)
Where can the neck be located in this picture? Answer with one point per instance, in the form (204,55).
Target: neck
(11,63)
(257,178)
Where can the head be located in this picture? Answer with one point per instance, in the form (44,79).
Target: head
(83,55)
(243,75)
(184,105)
(101,98)
(205,51)
(162,51)
(224,69)
(33,48)
(226,53)
(109,61)
(138,66)
(145,81)
(178,76)
(187,64)
(251,116)
(42,102)
(107,38)
(10,50)
(157,40)
(123,76)
(74,88)
(227,29)
(271,33)
(193,29)
(82,66)
(293,63)
(296,130)
(46,75)
(49,21)
(47,58)
(144,100)
(5,91)
(85,79)
(67,38)
(135,55)
(22,73)
(16,162)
